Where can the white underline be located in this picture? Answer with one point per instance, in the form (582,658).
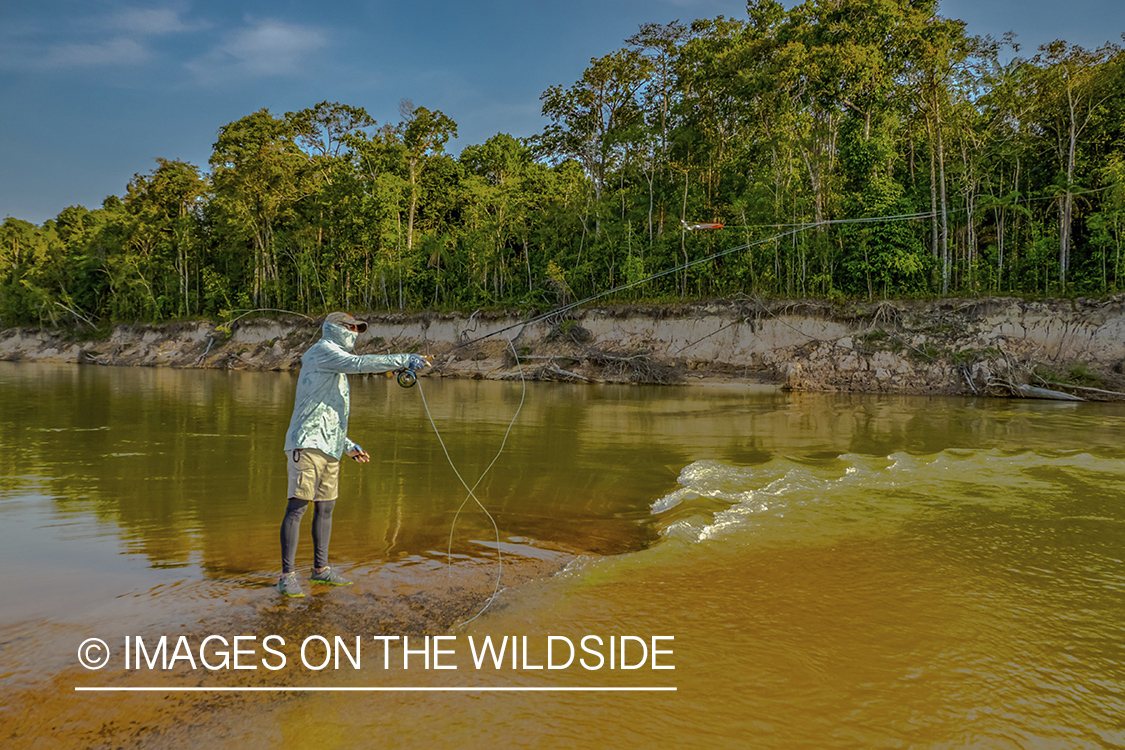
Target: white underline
(383,689)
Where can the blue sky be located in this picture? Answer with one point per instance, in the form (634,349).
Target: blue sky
(94,91)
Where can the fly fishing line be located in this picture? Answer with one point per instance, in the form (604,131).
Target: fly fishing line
(472,490)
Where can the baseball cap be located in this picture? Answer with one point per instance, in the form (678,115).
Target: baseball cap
(345,319)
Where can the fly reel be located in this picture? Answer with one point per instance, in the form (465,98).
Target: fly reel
(406,378)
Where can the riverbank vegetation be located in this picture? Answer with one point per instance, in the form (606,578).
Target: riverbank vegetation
(850,148)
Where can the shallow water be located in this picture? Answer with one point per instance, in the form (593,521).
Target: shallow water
(833,571)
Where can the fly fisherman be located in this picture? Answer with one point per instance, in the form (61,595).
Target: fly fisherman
(318,438)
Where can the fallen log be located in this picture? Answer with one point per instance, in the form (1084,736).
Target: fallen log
(1031,391)
(566,373)
(1099,391)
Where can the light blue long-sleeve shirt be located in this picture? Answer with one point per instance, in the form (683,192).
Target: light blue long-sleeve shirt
(320,414)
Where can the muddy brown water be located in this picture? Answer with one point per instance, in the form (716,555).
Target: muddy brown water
(821,571)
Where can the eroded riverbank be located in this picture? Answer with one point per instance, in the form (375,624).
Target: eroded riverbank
(992,346)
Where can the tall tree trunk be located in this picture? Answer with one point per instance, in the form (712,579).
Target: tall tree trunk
(413,205)
(527,261)
(1066,212)
(650,176)
(935,236)
(970,208)
(683,235)
(999,212)
(946,260)
(815,182)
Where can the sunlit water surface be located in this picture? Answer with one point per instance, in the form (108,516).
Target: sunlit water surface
(836,571)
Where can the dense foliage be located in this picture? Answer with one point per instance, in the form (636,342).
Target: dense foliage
(1006,177)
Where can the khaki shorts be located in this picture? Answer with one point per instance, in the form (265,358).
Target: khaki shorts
(313,475)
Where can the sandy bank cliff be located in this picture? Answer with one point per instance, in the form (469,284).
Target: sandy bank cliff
(993,346)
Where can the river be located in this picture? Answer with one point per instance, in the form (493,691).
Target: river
(703,567)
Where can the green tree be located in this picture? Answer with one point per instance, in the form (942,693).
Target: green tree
(257,175)
(164,209)
(1072,85)
(327,241)
(592,120)
(424,135)
(500,167)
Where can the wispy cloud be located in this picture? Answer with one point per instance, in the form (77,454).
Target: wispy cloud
(263,48)
(150,22)
(122,38)
(116,51)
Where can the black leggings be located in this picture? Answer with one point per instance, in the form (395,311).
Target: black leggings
(291,530)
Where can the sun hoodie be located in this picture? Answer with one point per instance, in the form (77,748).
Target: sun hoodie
(320,415)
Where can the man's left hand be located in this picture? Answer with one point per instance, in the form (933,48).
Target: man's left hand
(419,362)
(360,455)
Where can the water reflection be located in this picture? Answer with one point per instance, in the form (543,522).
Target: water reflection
(186,464)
